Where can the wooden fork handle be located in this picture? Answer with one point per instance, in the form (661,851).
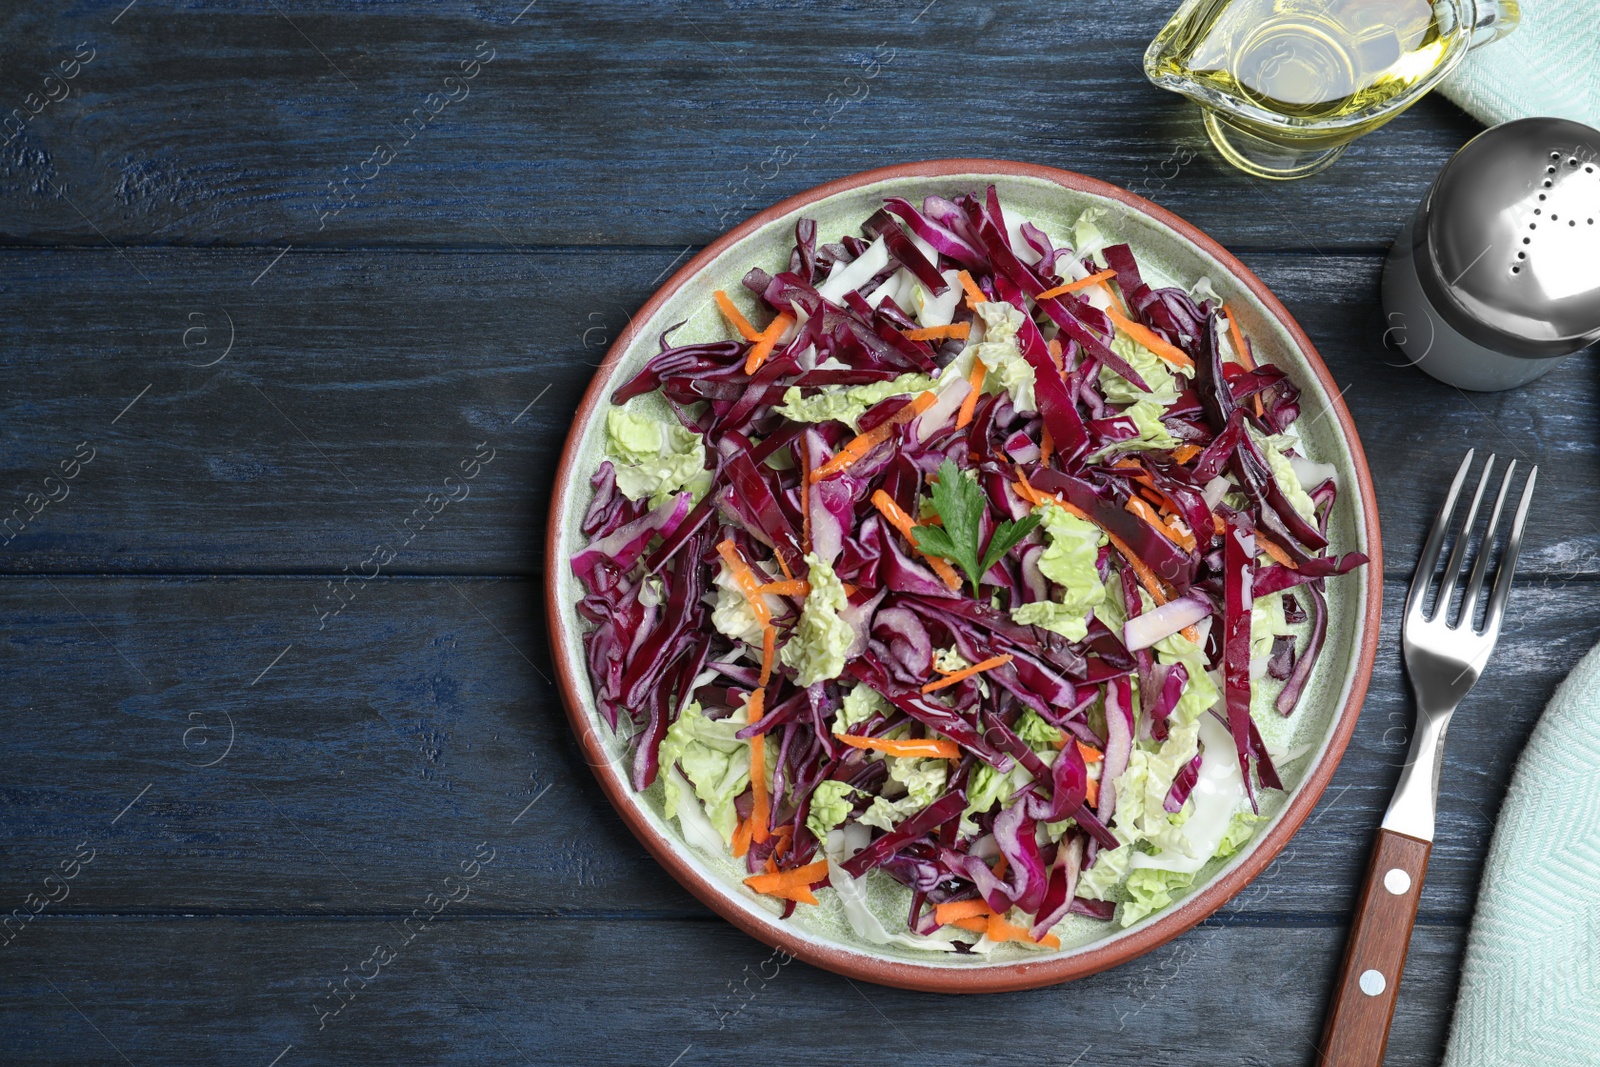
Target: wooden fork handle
(1364,1000)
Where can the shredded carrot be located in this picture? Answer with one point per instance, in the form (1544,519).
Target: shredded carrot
(911,748)
(1000,930)
(1081,283)
(945,914)
(1089,753)
(865,443)
(800,894)
(1275,552)
(975,296)
(1245,358)
(783,837)
(1053,346)
(1000,867)
(1030,494)
(958,330)
(1139,507)
(1091,795)
(745,578)
(755,706)
(961,675)
(1146,336)
(1047,446)
(805,499)
(797,877)
(1184,453)
(1237,337)
(741,838)
(760,809)
(791,587)
(977,923)
(902,522)
(735,319)
(1157,499)
(974,387)
(769,649)
(1146,576)
(767,342)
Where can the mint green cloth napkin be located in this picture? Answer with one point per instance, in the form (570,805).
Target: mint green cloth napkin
(1548,65)
(1530,989)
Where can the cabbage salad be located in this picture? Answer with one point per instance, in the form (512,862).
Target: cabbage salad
(963,562)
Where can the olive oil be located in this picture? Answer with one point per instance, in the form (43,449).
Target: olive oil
(1286,84)
(1309,60)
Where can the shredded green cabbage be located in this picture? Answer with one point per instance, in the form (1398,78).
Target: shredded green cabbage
(1039,734)
(847,403)
(1002,357)
(1068,561)
(715,762)
(924,781)
(1048,615)
(653,458)
(1283,473)
(732,614)
(1200,691)
(859,705)
(831,804)
(1156,372)
(817,646)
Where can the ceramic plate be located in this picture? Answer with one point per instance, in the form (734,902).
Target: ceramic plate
(1170,251)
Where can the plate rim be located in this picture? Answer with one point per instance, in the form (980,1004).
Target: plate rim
(860,963)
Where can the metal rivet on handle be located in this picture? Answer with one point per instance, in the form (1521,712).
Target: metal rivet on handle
(1372,983)
(1397,881)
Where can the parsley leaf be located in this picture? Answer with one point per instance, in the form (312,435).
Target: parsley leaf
(961,504)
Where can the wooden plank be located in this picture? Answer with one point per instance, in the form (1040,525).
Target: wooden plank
(319,433)
(214,125)
(246,990)
(420,717)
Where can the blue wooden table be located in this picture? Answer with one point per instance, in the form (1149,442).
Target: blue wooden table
(270,270)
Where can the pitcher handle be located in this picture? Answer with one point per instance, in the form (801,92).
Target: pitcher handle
(1493,19)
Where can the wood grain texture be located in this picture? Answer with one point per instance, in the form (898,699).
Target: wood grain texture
(602,992)
(421,714)
(359,380)
(181,585)
(1369,982)
(206,124)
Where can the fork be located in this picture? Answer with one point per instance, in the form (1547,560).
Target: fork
(1443,661)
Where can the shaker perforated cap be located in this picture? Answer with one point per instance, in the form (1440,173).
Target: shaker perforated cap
(1508,249)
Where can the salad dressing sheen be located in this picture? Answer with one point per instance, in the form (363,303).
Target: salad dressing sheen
(1217,796)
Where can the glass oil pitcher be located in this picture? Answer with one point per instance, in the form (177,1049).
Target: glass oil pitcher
(1286,85)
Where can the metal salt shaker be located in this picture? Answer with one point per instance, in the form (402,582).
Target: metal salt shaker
(1496,278)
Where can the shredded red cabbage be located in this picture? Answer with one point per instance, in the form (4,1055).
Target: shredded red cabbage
(1193,523)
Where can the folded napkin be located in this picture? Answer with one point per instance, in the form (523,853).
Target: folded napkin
(1530,989)
(1548,65)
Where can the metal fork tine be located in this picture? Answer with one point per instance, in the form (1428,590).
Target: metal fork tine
(1458,551)
(1423,576)
(1469,599)
(1508,561)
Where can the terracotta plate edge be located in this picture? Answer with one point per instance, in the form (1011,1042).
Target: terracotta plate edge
(1021,974)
